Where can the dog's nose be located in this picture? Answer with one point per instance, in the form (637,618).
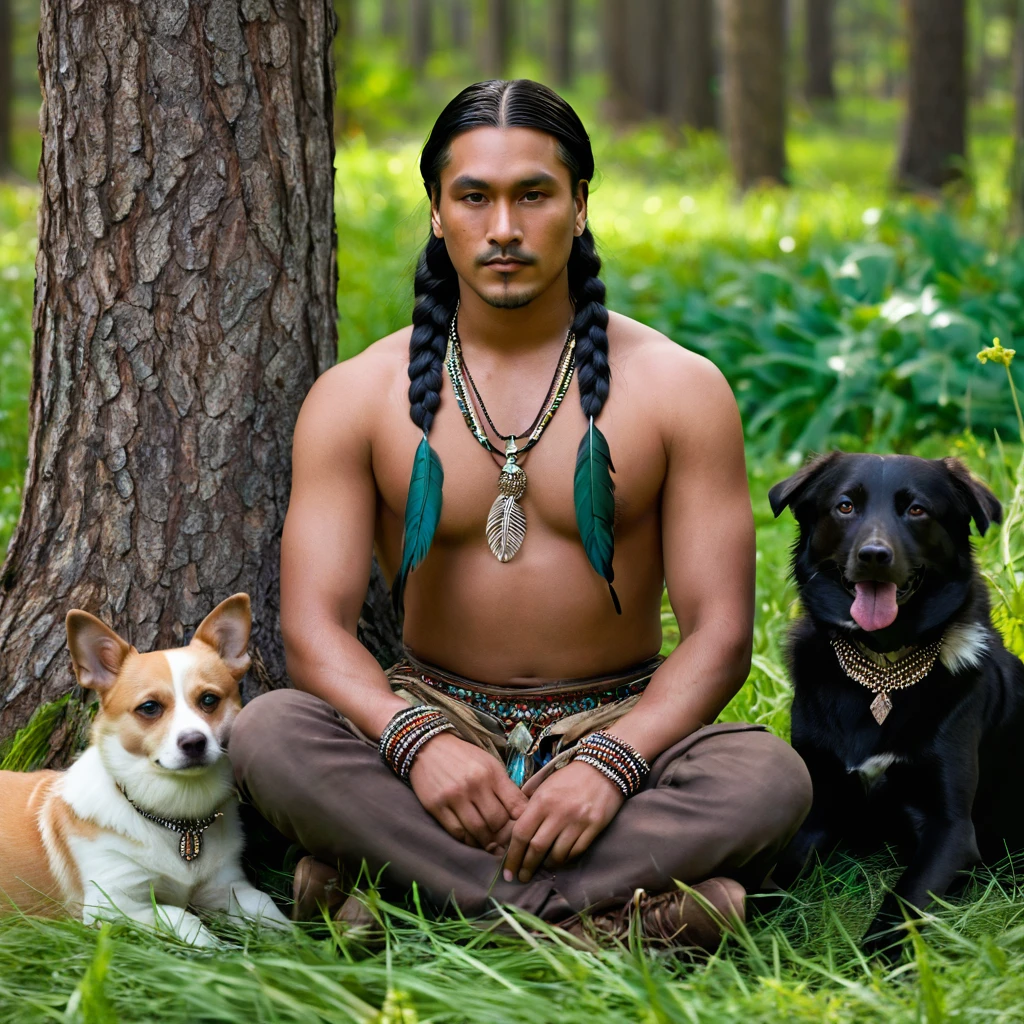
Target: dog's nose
(875,554)
(192,743)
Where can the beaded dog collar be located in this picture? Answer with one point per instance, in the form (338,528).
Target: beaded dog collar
(191,830)
(881,680)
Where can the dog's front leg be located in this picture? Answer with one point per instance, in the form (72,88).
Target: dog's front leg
(946,845)
(107,905)
(230,892)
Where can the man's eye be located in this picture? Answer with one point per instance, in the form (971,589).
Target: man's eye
(533,195)
(149,709)
(209,701)
(845,507)
(475,198)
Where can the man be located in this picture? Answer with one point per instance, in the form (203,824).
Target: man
(512,596)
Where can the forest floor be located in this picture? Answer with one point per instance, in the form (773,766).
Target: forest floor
(656,206)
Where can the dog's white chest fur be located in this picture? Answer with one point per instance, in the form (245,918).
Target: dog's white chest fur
(871,769)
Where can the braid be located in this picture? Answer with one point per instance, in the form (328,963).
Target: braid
(590,324)
(436,287)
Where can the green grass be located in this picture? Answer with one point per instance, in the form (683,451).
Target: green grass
(678,246)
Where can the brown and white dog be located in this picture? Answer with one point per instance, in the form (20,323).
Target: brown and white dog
(111,835)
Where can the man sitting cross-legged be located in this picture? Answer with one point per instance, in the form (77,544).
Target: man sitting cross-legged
(537,728)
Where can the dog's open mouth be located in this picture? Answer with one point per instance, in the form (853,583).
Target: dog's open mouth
(876,602)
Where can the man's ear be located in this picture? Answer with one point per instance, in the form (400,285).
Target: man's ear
(982,504)
(788,491)
(226,630)
(582,191)
(97,652)
(435,214)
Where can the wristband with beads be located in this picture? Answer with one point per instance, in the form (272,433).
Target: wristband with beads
(406,733)
(615,759)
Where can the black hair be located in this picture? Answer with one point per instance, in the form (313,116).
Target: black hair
(520,103)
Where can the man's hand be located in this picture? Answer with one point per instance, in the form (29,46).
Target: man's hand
(566,812)
(467,791)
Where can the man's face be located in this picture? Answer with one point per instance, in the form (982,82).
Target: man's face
(507,213)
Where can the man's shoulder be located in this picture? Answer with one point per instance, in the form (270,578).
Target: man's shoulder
(663,366)
(363,382)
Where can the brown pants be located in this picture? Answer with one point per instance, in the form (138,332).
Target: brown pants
(722,801)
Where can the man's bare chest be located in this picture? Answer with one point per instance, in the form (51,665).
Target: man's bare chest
(471,472)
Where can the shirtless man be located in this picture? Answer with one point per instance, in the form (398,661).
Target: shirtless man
(535,639)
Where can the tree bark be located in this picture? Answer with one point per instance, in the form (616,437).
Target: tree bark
(934,141)
(461,24)
(753,44)
(615,32)
(691,65)
(1017,165)
(819,51)
(497,38)
(560,58)
(185,303)
(420,34)
(390,18)
(6,85)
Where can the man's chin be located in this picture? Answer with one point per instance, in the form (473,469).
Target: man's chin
(509,300)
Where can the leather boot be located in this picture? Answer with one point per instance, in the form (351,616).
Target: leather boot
(316,885)
(360,925)
(671,920)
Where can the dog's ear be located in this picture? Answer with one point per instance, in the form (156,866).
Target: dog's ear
(788,491)
(97,652)
(226,630)
(982,504)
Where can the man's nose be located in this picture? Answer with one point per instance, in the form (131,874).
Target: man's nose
(504,229)
(875,553)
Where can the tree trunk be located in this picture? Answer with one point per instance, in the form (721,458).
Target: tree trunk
(1017,166)
(819,51)
(390,18)
(185,303)
(691,64)
(497,38)
(6,85)
(753,44)
(615,30)
(460,24)
(420,34)
(560,58)
(933,145)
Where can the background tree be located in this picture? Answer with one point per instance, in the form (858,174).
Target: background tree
(561,47)
(496,40)
(690,64)
(1017,167)
(420,33)
(6,84)
(819,50)
(933,146)
(390,18)
(184,304)
(753,48)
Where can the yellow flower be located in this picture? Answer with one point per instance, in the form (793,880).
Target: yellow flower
(997,354)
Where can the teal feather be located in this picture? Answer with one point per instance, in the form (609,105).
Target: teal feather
(422,514)
(593,492)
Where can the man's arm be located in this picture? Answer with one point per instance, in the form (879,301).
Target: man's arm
(326,553)
(708,550)
(327,549)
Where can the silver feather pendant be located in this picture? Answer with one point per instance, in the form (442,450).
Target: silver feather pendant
(506,522)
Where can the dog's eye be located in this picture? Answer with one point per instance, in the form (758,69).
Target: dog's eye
(149,709)
(845,507)
(209,701)
(916,511)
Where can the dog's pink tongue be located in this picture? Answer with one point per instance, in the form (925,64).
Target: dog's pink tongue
(874,607)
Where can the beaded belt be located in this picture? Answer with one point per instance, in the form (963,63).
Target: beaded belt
(536,707)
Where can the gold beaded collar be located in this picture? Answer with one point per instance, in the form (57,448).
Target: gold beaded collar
(881,680)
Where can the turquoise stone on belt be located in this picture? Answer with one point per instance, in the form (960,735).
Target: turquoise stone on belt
(519,743)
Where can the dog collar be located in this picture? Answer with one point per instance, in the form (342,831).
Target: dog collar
(190,829)
(881,680)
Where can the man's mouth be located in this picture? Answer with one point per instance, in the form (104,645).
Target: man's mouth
(876,602)
(505,266)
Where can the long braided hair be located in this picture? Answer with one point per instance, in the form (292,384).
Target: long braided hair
(520,103)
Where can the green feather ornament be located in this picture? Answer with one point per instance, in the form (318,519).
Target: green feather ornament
(593,492)
(422,514)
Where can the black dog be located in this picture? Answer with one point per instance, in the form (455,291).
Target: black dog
(884,568)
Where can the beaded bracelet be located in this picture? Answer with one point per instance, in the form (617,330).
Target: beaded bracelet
(615,759)
(406,733)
